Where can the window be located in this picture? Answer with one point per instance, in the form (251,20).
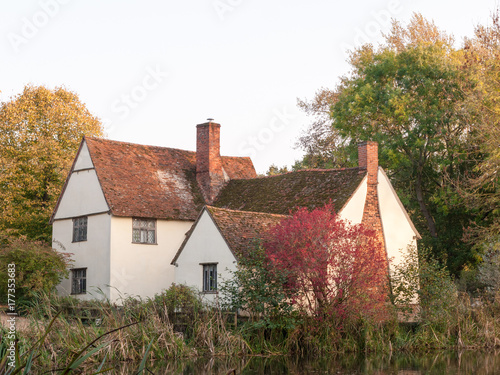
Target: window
(210,277)
(144,231)
(79,281)
(80,229)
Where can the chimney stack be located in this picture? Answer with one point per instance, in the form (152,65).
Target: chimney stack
(209,171)
(368,158)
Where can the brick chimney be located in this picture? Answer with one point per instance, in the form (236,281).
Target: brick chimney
(209,171)
(368,159)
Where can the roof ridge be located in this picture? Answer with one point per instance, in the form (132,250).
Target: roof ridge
(136,144)
(245,212)
(100,139)
(307,170)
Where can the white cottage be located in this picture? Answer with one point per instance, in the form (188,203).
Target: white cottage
(125,210)
(359,195)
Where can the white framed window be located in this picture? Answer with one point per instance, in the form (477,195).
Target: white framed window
(79,281)
(209,277)
(80,229)
(144,231)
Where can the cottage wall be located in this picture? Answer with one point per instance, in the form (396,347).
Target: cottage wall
(93,254)
(399,231)
(143,269)
(206,245)
(83,194)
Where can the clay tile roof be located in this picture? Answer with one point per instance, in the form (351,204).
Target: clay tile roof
(241,229)
(151,181)
(281,194)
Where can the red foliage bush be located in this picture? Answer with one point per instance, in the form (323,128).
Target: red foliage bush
(335,269)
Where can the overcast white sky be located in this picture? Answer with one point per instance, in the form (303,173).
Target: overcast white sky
(153,69)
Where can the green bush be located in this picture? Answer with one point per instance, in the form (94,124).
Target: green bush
(178,299)
(258,290)
(33,267)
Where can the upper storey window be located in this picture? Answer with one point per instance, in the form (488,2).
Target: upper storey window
(144,231)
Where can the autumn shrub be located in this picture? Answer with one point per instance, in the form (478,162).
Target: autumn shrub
(38,268)
(312,276)
(334,270)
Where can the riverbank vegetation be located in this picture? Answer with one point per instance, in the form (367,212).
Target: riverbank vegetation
(273,318)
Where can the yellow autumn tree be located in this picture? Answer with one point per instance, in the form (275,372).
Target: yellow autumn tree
(40,130)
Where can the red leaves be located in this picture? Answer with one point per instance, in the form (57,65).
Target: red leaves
(334,268)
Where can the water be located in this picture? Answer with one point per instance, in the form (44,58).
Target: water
(459,362)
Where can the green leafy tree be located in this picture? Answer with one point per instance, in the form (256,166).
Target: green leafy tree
(259,290)
(409,95)
(37,268)
(40,130)
(482,54)
(421,279)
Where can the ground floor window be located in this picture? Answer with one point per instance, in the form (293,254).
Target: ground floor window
(210,277)
(79,281)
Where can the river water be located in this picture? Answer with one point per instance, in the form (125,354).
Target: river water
(450,362)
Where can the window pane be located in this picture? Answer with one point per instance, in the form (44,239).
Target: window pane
(209,277)
(79,281)
(136,235)
(151,236)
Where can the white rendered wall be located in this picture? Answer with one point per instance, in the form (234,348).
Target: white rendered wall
(398,230)
(205,245)
(84,160)
(143,269)
(353,209)
(83,194)
(92,254)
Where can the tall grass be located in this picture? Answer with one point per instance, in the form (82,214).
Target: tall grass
(137,330)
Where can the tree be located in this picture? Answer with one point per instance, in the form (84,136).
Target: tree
(31,267)
(410,95)
(324,146)
(258,290)
(482,55)
(40,130)
(333,269)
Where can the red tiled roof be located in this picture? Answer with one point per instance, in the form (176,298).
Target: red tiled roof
(281,194)
(151,181)
(242,230)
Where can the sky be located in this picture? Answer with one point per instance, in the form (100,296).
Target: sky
(153,69)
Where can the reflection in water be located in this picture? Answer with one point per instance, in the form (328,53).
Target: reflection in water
(464,362)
